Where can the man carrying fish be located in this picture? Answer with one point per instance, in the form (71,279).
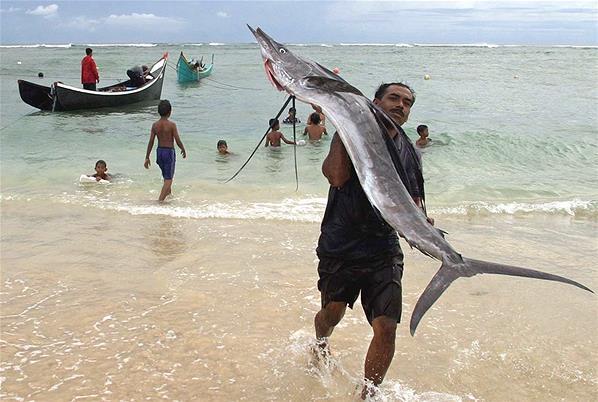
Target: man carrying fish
(358,250)
(376,193)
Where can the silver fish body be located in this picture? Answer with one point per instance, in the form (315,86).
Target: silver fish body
(362,127)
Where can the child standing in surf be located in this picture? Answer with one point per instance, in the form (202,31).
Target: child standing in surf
(274,137)
(167,134)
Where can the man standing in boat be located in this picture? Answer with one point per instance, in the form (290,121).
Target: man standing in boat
(89,71)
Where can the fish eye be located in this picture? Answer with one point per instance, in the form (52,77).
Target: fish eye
(282,50)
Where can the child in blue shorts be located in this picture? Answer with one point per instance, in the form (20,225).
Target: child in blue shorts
(167,134)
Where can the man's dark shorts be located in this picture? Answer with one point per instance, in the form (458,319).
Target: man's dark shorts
(379,281)
(166,158)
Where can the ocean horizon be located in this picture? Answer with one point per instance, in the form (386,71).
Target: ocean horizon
(154,44)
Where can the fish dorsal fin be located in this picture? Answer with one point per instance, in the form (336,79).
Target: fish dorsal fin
(329,84)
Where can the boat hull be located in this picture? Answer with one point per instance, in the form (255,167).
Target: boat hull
(187,73)
(62,97)
(38,96)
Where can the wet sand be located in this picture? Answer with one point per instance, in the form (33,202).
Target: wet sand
(104,305)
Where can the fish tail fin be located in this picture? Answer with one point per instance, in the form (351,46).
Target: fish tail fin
(451,270)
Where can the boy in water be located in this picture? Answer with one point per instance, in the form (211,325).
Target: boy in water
(222,148)
(292,117)
(274,136)
(167,134)
(101,169)
(313,130)
(423,139)
(318,110)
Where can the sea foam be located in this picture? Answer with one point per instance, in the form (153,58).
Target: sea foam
(307,210)
(36,45)
(122,44)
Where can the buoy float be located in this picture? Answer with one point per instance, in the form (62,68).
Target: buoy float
(426,77)
(18,62)
(40,74)
(336,70)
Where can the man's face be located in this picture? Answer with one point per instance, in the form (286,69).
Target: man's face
(222,148)
(397,103)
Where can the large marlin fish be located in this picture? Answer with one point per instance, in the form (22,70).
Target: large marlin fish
(363,129)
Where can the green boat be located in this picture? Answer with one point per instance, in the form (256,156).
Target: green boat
(192,72)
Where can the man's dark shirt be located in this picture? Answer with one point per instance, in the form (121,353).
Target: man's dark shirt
(352,229)
(136,76)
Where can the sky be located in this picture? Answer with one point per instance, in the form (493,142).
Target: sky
(424,22)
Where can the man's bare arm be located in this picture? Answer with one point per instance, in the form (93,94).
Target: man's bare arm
(336,166)
(285,140)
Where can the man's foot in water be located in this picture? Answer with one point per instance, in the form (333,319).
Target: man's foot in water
(369,391)
(320,353)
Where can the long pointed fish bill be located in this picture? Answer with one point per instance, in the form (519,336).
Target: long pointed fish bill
(284,69)
(269,47)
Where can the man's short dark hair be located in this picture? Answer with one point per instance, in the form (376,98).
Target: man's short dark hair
(383,87)
(164,108)
(421,128)
(101,163)
(273,122)
(315,118)
(88,51)
(220,143)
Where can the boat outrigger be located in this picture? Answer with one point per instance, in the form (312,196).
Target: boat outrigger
(62,97)
(192,72)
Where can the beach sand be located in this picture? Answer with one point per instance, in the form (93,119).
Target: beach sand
(105,305)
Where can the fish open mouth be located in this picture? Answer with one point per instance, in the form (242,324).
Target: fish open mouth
(271,76)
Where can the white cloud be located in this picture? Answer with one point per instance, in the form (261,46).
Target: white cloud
(137,22)
(140,20)
(10,10)
(82,23)
(222,14)
(44,11)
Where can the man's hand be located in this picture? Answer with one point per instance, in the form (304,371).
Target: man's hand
(147,163)
(431,220)
(184,153)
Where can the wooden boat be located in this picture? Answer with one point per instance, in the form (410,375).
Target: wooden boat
(187,72)
(62,97)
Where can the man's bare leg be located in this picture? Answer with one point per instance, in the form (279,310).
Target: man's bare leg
(325,321)
(165,190)
(380,352)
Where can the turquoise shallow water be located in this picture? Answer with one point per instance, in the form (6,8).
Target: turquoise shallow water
(107,294)
(514,130)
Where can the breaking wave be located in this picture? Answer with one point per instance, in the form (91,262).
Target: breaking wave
(308,210)
(36,45)
(574,207)
(122,44)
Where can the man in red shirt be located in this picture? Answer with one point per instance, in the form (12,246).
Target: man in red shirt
(89,71)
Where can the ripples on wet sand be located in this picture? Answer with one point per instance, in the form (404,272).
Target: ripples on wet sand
(105,305)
